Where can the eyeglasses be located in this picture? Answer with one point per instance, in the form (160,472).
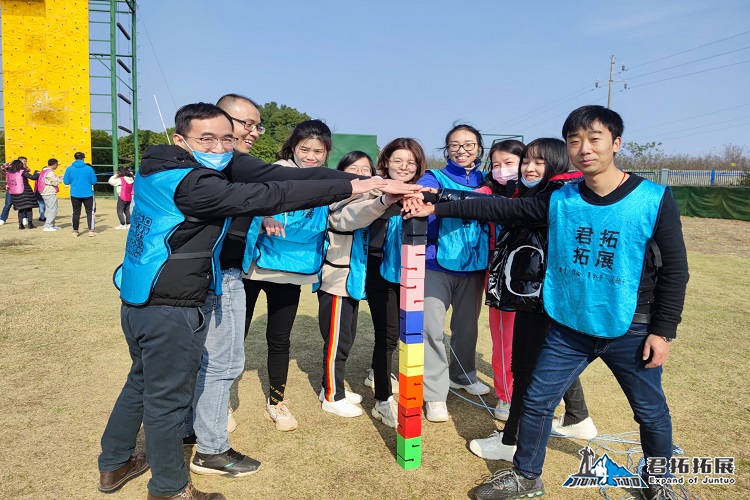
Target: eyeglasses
(352,169)
(250,127)
(468,147)
(212,142)
(398,163)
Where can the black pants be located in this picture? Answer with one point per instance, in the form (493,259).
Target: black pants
(529,332)
(383,298)
(88,204)
(283,300)
(25,213)
(338,327)
(123,211)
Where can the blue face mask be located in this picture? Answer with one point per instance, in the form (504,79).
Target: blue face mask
(530,184)
(215,161)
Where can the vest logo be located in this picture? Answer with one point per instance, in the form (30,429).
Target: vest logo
(140,227)
(595,473)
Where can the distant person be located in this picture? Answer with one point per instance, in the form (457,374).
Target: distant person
(81,178)
(8,201)
(46,186)
(122,181)
(21,193)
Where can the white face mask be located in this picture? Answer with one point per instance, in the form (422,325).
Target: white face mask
(505,174)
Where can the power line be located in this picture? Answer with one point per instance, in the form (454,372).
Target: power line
(693,73)
(685,64)
(143,23)
(704,132)
(689,50)
(693,117)
(700,126)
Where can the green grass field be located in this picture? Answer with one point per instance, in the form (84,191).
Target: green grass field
(65,360)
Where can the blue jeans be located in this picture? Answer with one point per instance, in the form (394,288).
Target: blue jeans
(6,207)
(564,356)
(223,361)
(42,206)
(165,347)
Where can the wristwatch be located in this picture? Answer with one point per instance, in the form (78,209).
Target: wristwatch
(668,340)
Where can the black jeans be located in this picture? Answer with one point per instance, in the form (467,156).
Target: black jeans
(283,300)
(529,332)
(165,346)
(383,298)
(88,204)
(123,211)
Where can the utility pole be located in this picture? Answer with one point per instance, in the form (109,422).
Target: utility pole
(611,80)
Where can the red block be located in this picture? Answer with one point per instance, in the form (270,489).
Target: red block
(409,412)
(412,295)
(412,262)
(409,427)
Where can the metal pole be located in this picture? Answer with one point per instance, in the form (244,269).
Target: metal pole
(134,81)
(611,79)
(113,76)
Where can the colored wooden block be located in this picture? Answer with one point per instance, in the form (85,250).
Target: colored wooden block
(410,464)
(415,226)
(412,262)
(409,449)
(412,295)
(410,386)
(411,321)
(408,412)
(410,354)
(410,371)
(411,338)
(409,239)
(409,427)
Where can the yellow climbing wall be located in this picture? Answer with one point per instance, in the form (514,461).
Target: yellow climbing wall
(45,52)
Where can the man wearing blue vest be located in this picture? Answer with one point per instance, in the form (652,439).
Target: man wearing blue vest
(170,266)
(614,288)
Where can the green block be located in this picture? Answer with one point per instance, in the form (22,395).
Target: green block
(409,452)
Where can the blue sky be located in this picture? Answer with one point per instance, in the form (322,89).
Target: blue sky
(414,67)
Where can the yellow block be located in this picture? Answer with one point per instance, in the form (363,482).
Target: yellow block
(410,354)
(410,371)
(46,95)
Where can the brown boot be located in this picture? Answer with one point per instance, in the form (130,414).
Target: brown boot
(190,493)
(112,481)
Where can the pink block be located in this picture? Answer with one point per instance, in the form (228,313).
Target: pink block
(412,295)
(412,262)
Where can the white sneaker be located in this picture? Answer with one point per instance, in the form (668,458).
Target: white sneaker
(49,229)
(342,408)
(436,411)
(502,411)
(231,422)
(585,429)
(492,448)
(56,228)
(281,416)
(121,226)
(370,381)
(2,222)
(386,412)
(352,397)
(476,389)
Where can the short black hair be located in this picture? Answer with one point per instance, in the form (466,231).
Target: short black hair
(52,161)
(197,111)
(585,116)
(79,156)
(228,99)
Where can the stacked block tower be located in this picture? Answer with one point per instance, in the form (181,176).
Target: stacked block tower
(411,344)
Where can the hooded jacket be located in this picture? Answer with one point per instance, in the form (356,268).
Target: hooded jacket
(81,178)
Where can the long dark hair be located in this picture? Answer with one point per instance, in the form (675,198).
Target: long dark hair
(554,152)
(15,166)
(511,146)
(308,129)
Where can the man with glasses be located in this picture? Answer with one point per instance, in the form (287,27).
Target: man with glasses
(184,201)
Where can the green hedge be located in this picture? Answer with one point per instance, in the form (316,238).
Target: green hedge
(713,202)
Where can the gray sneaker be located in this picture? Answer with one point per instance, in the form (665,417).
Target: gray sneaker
(506,484)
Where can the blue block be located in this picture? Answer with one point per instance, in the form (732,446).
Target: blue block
(411,338)
(411,321)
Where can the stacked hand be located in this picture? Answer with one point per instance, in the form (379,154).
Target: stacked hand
(272,227)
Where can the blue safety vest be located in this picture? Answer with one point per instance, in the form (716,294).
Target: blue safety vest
(462,245)
(596,256)
(155,218)
(355,281)
(390,268)
(301,251)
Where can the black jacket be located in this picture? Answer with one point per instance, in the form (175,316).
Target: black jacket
(662,291)
(207,198)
